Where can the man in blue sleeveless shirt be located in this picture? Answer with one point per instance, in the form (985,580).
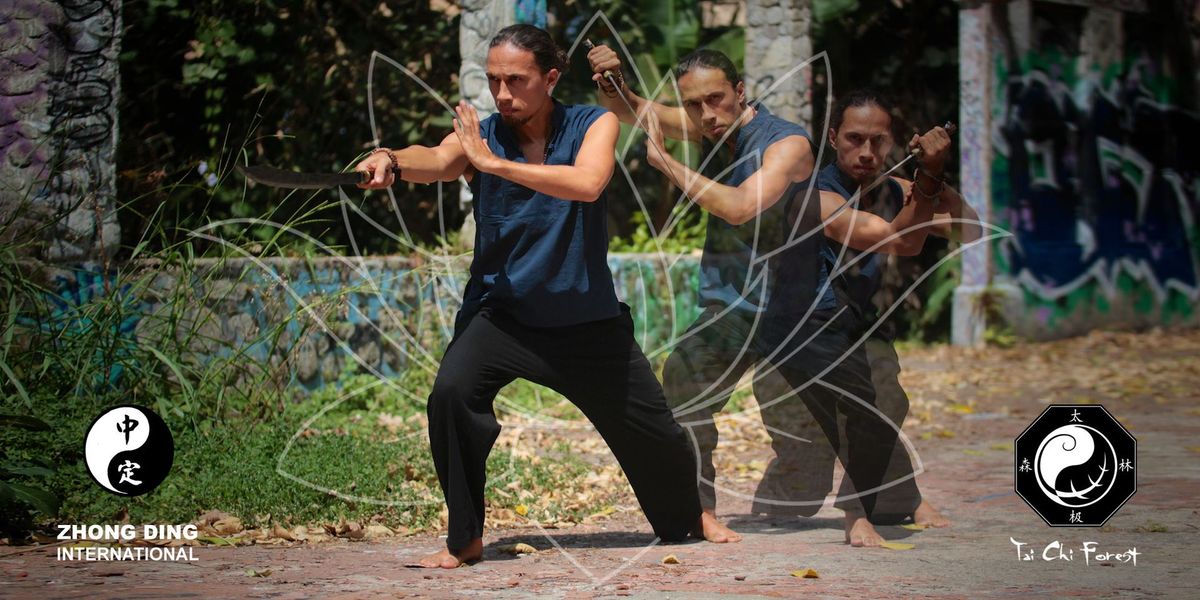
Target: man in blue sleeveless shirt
(861,135)
(760,273)
(540,303)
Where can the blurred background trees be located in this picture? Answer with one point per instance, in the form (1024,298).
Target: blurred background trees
(206,85)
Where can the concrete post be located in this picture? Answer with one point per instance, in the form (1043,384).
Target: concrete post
(59,85)
(778,39)
(479,21)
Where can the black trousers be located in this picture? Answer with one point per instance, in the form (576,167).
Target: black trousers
(900,499)
(702,369)
(802,415)
(806,470)
(599,367)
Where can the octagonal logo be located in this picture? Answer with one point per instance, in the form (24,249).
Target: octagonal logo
(1075,465)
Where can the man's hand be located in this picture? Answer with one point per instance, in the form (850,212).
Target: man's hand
(467,128)
(934,148)
(656,151)
(601,59)
(379,166)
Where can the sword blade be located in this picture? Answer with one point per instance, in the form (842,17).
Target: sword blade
(280,178)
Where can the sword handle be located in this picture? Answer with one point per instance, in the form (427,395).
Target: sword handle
(587,43)
(950,128)
(365,177)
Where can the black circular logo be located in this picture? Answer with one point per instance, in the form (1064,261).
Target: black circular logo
(129,450)
(1075,465)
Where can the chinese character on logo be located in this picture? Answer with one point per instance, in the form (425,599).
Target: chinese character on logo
(126,470)
(1075,417)
(1025,468)
(1125,465)
(1076,516)
(126,426)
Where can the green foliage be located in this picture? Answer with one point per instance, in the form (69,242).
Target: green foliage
(688,236)
(210,84)
(938,296)
(12,492)
(240,468)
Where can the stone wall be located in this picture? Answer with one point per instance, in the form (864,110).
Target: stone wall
(318,320)
(777,41)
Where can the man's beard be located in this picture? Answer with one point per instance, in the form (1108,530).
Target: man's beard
(514,121)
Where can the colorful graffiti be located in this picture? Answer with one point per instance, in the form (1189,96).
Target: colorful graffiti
(1092,174)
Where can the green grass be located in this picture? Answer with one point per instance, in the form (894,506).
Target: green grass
(233,469)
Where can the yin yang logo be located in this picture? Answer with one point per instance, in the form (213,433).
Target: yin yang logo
(1076,465)
(129,450)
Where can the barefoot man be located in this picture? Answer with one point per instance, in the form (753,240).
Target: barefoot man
(540,303)
(861,135)
(760,312)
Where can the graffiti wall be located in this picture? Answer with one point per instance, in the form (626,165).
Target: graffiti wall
(58,122)
(1092,172)
(318,321)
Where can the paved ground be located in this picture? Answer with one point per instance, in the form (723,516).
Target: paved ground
(967,408)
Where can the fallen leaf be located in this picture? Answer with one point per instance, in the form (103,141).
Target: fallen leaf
(913,526)
(522,509)
(227,525)
(897,546)
(378,531)
(278,531)
(945,433)
(806,574)
(258,572)
(670,560)
(604,512)
(515,549)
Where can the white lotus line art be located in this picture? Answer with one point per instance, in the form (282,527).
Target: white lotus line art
(678,212)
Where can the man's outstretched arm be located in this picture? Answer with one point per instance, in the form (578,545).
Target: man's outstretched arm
(418,164)
(863,230)
(786,161)
(673,120)
(583,181)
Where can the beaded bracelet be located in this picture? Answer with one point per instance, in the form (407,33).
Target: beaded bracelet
(609,88)
(391,157)
(917,188)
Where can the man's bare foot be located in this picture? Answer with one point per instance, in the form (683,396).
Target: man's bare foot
(860,533)
(928,516)
(448,560)
(713,530)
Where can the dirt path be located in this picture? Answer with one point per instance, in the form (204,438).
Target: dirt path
(967,408)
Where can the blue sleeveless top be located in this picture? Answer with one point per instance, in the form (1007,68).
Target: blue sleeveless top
(540,259)
(862,280)
(730,274)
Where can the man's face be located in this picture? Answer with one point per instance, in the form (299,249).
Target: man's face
(519,87)
(862,141)
(712,103)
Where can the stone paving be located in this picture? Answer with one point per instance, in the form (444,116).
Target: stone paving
(969,474)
